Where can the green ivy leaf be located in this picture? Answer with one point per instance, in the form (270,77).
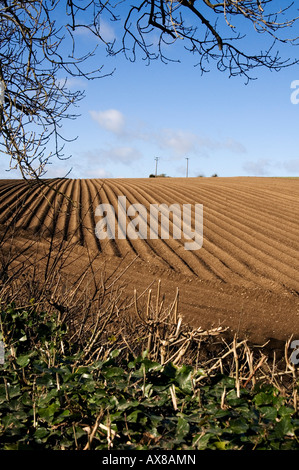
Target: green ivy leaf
(125,404)
(48,413)
(23,361)
(263,398)
(170,370)
(221,445)
(269,412)
(184,379)
(238,426)
(284,428)
(113,372)
(14,391)
(285,411)
(133,417)
(41,433)
(201,441)
(45,379)
(183,428)
(3,397)
(114,353)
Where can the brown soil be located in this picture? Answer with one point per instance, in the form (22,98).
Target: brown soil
(245,276)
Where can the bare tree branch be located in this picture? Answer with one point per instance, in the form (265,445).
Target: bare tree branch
(39,42)
(37,48)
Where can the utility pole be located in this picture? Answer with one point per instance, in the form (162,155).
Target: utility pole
(157,158)
(187,167)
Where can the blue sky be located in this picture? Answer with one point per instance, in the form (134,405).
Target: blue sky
(172,112)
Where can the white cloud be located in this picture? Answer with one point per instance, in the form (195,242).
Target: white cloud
(71,82)
(183,142)
(121,154)
(292,166)
(234,146)
(84,164)
(125,155)
(257,168)
(98,173)
(180,142)
(111,120)
(106,31)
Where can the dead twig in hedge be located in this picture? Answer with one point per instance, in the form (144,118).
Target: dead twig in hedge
(92,432)
(251,376)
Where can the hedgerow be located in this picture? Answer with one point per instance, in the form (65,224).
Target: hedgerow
(57,393)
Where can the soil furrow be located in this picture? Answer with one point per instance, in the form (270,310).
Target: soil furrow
(167,249)
(223,232)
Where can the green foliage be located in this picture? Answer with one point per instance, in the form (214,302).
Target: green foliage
(51,398)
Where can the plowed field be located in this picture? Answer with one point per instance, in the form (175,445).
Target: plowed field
(245,276)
